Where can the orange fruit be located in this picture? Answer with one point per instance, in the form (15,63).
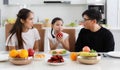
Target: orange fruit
(86,49)
(23,53)
(13,53)
(73,56)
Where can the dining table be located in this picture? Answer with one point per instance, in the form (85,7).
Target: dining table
(106,63)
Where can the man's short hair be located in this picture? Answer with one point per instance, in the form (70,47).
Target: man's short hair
(93,14)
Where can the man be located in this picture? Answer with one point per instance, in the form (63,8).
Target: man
(94,35)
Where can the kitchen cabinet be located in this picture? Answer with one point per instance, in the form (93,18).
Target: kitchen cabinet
(95,2)
(2,38)
(119,14)
(78,1)
(22,2)
(67,1)
(87,1)
(112,13)
(0,18)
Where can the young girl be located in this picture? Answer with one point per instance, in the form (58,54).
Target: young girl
(58,41)
(23,35)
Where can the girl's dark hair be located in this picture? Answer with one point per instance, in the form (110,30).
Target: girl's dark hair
(53,22)
(18,26)
(93,14)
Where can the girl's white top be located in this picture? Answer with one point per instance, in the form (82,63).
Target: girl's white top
(54,40)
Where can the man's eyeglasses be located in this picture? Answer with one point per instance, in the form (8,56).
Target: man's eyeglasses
(84,20)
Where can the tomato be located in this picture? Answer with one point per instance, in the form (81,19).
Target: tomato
(86,49)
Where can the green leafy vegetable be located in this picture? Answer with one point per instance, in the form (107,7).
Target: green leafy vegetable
(54,52)
(92,51)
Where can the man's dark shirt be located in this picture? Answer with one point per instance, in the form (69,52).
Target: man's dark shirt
(101,41)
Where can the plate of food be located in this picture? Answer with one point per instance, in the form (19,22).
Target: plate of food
(39,56)
(4,57)
(115,54)
(56,60)
(59,52)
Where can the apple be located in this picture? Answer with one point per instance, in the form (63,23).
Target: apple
(31,52)
(60,34)
(86,49)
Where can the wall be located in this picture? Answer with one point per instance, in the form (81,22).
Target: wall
(67,12)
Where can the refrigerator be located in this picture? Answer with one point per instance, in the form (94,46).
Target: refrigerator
(0,18)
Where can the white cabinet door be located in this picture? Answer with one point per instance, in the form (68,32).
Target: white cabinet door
(27,2)
(119,15)
(95,1)
(2,38)
(78,1)
(112,13)
(71,1)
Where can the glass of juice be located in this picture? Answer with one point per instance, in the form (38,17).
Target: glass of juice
(73,56)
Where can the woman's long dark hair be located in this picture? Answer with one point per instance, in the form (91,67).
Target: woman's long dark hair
(53,22)
(18,26)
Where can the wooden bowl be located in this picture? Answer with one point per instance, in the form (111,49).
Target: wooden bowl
(88,60)
(20,61)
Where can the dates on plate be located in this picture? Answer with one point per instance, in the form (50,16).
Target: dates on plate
(56,59)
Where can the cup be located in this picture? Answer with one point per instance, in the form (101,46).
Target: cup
(73,56)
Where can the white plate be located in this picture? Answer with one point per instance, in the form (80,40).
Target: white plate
(114,54)
(39,58)
(67,52)
(4,57)
(56,64)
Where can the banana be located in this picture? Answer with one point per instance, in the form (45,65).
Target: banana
(87,54)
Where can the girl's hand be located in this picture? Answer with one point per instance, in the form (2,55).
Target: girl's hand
(60,39)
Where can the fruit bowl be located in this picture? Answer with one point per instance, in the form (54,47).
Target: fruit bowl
(88,60)
(20,61)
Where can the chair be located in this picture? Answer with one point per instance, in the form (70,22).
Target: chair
(71,33)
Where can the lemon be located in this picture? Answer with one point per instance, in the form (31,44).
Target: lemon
(23,53)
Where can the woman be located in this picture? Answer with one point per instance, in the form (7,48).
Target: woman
(58,42)
(23,35)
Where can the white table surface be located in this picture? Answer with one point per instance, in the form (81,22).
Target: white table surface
(106,63)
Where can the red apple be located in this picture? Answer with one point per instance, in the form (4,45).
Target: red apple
(60,34)
(31,52)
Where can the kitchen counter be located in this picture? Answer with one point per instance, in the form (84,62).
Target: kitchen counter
(106,63)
